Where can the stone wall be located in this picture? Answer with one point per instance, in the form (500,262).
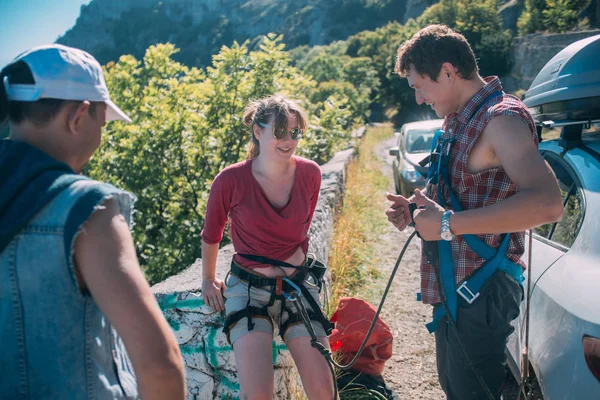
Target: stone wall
(530,53)
(209,360)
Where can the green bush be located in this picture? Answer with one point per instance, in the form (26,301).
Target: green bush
(531,19)
(335,71)
(556,16)
(480,23)
(561,15)
(187,126)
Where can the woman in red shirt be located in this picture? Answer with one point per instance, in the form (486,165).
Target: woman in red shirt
(270,199)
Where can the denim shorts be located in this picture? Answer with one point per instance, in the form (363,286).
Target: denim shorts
(236,299)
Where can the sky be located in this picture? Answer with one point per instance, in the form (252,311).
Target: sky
(28,23)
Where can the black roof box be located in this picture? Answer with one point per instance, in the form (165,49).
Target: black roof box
(568,87)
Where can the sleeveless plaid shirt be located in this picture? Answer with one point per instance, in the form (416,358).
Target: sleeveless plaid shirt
(475,190)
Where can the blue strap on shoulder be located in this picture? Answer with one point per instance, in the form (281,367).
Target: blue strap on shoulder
(431,173)
(495,259)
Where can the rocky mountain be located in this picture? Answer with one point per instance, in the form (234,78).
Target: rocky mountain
(109,28)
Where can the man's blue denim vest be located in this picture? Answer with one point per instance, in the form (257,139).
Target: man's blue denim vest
(55,343)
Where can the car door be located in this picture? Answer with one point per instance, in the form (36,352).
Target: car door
(551,241)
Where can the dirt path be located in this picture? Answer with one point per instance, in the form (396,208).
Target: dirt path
(411,371)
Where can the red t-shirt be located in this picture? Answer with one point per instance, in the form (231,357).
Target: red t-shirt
(257,227)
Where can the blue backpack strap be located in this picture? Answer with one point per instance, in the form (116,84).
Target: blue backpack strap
(431,158)
(438,313)
(495,259)
(469,289)
(447,281)
(488,253)
(436,138)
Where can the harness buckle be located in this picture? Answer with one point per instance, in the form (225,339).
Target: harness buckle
(466,293)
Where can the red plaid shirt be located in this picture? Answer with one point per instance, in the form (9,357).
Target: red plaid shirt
(475,190)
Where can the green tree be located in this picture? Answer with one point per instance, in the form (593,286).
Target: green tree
(532,19)
(156,157)
(555,16)
(561,15)
(330,133)
(361,73)
(325,67)
(187,126)
(480,23)
(380,46)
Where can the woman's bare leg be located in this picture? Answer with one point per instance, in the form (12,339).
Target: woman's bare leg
(312,366)
(254,359)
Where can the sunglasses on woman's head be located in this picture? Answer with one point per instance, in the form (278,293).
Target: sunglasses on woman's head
(295,133)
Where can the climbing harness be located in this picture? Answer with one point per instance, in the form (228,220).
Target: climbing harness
(495,260)
(279,287)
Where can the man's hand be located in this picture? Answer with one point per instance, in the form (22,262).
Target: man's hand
(398,213)
(428,221)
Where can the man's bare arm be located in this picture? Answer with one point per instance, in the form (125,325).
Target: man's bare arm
(538,200)
(107,263)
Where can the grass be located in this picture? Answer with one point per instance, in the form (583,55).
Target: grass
(358,225)
(358,222)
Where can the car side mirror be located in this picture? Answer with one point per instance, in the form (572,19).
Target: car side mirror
(395,151)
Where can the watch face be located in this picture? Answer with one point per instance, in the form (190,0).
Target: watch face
(447,235)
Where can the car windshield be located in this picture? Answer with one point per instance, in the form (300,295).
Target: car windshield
(419,140)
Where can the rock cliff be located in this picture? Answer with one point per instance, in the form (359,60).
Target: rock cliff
(109,28)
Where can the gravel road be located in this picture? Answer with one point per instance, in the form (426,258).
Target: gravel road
(411,371)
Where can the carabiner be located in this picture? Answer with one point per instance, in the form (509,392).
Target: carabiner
(291,297)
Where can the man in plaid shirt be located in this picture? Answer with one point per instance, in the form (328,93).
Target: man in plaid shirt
(503,185)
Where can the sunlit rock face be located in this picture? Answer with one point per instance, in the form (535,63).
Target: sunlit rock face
(111,28)
(529,54)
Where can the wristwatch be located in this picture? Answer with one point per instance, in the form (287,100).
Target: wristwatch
(446,233)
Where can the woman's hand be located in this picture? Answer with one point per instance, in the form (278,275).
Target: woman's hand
(212,291)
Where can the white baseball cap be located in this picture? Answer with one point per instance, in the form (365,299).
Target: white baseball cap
(64,73)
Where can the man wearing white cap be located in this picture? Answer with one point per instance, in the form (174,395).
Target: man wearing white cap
(69,275)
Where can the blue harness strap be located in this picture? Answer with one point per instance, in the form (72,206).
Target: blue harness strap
(496,260)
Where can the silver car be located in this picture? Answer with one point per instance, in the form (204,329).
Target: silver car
(413,144)
(564,337)
(564,327)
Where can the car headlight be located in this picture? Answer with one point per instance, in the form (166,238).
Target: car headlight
(409,172)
